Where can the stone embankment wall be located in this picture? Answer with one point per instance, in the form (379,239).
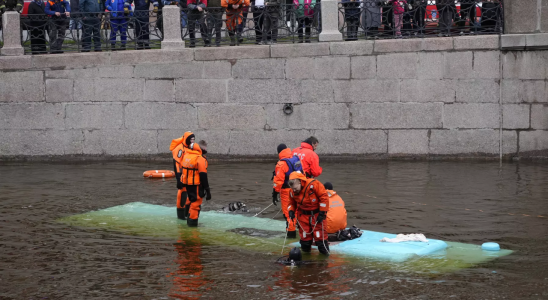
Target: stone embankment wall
(421,97)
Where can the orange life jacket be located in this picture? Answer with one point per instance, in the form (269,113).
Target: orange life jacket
(336,216)
(193,164)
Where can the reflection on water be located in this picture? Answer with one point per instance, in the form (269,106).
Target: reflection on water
(188,277)
(466,202)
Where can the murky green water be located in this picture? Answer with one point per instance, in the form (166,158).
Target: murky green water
(467,202)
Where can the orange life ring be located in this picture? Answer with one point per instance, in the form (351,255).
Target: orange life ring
(158,174)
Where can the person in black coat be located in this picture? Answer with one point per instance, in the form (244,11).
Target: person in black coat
(419,17)
(447,11)
(467,10)
(352,18)
(491,12)
(37,26)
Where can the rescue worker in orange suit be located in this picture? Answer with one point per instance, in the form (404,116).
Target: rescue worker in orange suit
(177,149)
(234,17)
(309,158)
(309,205)
(285,166)
(195,180)
(336,217)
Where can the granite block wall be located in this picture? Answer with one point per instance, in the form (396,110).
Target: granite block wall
(455,97)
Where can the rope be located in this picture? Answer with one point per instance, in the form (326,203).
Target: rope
(311,232)
(284,241)
(263,210)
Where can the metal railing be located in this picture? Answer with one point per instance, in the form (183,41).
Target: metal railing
(264,24)
(375,19)
(83,32)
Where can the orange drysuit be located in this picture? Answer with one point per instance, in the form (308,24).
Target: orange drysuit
(336,217)
(281,186)
(309,159)
(234,16)
(195,180)
(306,205)
(177,149)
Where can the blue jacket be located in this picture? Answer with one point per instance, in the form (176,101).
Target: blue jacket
(116,7)
(91,6)
(141,4)
(60,6)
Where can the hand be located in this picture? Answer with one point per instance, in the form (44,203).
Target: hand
(155,10)
(321,217)
(58,14)
(179,185)
(208,196)
(126,11)
(67,14)
(199,8)
(275,197)
(291,215)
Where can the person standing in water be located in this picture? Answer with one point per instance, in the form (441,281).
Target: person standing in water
(309,205)
(309,158)
(177,149)
(285,166)
(195,180)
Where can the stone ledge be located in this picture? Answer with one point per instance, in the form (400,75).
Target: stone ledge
(537,41)
(225,53)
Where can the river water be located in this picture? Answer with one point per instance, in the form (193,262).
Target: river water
(468,202)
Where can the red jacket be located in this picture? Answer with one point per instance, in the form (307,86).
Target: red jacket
(309,159)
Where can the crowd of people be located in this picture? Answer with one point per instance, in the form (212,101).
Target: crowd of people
(412,16)
(373,18)
(51,18)
(307,204)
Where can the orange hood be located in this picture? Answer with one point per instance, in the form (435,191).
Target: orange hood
(176,142)
(194,148)
(297,175)
(285,153)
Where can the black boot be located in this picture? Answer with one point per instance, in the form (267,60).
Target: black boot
(292,234)
(232,38)
(187,209)
(306,246)
(181,213)
(192,222)
(323,247)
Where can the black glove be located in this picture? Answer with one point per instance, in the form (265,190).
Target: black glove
(274,197)
(208,192)
(291,215)
(321,217)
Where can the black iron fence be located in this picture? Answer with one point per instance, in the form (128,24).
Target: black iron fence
(418,18)
(82,32)
(254,24)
